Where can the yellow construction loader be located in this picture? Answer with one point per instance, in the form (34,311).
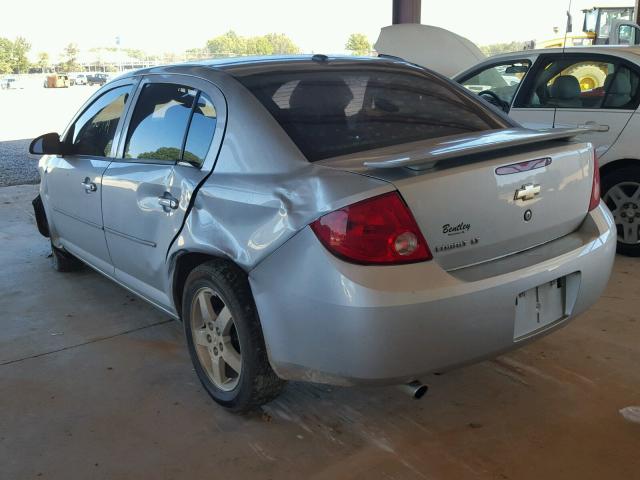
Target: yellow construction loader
(600,26)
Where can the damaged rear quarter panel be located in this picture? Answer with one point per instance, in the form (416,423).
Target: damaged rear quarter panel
(262,189)
(245,218)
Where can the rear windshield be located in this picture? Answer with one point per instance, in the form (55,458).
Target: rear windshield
(332,111)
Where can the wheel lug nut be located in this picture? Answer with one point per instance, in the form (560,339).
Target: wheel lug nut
(215,351)
(209,338)
(220,345)
(217,331)
(623,214)
(210,325)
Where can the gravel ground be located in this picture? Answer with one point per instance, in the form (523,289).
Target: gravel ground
(17,166)
(27,113)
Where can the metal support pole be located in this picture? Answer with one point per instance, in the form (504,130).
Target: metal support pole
(408,11)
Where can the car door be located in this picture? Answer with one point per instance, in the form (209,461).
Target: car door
(498,82)
(147,190)
(607,91)
(73,182)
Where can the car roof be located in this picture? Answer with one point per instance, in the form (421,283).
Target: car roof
(627,52)
(249,65)
(619,50)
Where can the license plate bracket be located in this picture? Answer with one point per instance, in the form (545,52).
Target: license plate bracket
(539,307)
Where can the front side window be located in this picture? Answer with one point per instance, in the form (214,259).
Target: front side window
(201,130)
(159,122)
(93,132)
(503,79)
(332,111)
(608,17)
(590,20)
(588,83)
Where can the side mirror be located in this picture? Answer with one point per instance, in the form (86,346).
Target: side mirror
(47,144)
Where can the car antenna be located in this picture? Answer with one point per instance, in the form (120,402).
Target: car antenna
(568,26)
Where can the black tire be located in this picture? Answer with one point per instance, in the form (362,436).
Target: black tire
(618,177)
(63,261)
(257,383)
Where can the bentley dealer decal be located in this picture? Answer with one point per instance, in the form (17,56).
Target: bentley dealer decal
(458,229)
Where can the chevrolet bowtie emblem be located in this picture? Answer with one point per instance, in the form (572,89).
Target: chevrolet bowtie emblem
(527,192)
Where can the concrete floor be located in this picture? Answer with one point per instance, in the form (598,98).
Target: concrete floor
(96,384)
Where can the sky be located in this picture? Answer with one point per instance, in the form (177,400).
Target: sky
(315,25)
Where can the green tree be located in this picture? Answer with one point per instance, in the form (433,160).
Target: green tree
(232,44)
(281,44)
(70,58)
(227,45)
(20,62)
(43,61)
(358,44)
(135,53)
(195,53)
(497,48)
(163,153)
(258,46)
(171,57)
(6,52)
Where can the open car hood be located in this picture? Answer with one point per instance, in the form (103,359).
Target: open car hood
(424,45)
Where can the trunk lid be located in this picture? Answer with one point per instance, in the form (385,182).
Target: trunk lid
(489,200)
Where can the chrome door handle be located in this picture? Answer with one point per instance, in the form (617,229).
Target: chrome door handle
(168,202)
(594,127)
(88,185)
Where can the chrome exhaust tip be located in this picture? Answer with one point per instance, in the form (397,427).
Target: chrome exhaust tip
(415,389)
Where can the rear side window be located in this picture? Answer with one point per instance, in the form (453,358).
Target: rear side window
(588,83)
(93,132)
(332,111)
(201,130)
(159,122)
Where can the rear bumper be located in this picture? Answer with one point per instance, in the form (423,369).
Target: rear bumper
(328,321)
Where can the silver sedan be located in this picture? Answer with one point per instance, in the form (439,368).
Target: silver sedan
(336,220)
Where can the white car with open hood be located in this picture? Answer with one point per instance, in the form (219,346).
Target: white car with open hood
(594,88)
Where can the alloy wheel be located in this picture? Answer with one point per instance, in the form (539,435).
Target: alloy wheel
(623,199)
(215,338)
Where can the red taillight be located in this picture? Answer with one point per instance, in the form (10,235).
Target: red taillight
(595,187)
(379,230)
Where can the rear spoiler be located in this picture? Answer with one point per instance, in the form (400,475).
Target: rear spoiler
(469,144)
